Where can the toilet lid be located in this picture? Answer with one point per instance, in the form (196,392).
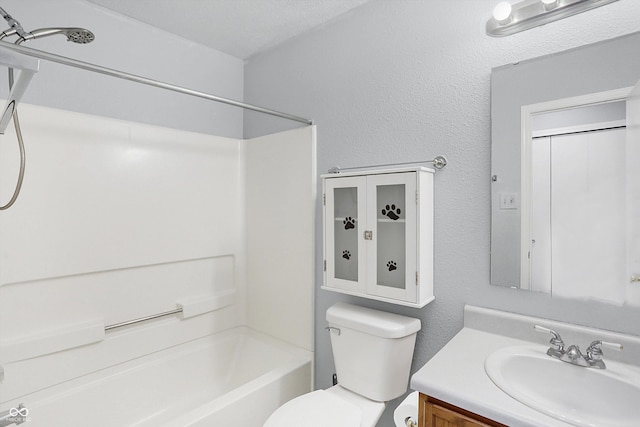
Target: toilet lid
(316,409)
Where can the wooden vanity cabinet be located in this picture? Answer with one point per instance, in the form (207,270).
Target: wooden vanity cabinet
(436,413)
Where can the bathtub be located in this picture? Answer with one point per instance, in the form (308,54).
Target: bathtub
(234,378)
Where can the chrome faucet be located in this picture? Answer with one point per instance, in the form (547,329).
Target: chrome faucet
(573,355)
(14,416)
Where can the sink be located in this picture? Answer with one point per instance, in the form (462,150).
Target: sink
(576,395)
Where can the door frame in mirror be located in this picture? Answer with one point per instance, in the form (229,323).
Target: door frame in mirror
(526,115)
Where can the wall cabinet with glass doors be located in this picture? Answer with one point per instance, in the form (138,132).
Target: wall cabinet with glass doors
(378,235)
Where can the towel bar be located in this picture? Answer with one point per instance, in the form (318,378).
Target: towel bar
(142,319)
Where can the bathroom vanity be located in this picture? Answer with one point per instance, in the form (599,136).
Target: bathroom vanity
(496,372)
(434,412)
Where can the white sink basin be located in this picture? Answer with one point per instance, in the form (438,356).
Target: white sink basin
(576,395)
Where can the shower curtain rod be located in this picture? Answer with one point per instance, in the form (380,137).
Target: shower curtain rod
(144,80)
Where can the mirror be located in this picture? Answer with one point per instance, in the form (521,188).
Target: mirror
(522,94)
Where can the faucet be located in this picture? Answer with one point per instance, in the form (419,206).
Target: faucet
(573,355)
(14,416)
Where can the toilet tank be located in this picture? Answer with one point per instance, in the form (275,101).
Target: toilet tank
(372,350)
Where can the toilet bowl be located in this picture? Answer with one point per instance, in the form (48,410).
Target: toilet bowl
(372,352)
(335,407)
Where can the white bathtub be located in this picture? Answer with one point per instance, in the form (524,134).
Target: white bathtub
(234,378)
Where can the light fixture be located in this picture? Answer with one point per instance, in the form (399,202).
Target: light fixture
(528,14)
(502,12)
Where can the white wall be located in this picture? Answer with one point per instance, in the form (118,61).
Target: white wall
(125,44)
(407,80)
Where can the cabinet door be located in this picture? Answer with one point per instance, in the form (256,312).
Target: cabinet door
(345,218)
(436,413)
(391,254)
(437,416)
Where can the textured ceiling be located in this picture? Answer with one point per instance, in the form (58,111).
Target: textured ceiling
(238,27)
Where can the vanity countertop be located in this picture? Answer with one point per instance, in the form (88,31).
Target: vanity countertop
(457,376)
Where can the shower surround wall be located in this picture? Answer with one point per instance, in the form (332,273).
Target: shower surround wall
(396,81)
(119,221)
(116,221)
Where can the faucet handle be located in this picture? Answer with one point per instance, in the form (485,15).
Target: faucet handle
(555,341)
(594,351)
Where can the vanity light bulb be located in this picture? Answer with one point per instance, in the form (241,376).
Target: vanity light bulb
(549,4)
(502,12)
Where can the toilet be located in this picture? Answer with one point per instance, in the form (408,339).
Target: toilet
(372,351)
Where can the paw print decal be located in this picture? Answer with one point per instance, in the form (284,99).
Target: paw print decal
(391,212)
(349,223)
(346,255)
(391,265)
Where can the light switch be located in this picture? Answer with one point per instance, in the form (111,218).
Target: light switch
(508,201)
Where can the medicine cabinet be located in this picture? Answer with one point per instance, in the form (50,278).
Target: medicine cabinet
(378,234)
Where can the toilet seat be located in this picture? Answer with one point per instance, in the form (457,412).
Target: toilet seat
(316,409)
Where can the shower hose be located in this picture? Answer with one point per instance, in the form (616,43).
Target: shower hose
(10,203)
(16,123)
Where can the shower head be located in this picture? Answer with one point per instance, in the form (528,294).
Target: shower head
(76,35)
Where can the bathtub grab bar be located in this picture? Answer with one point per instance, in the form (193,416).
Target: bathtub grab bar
(189,307)
(142,319)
